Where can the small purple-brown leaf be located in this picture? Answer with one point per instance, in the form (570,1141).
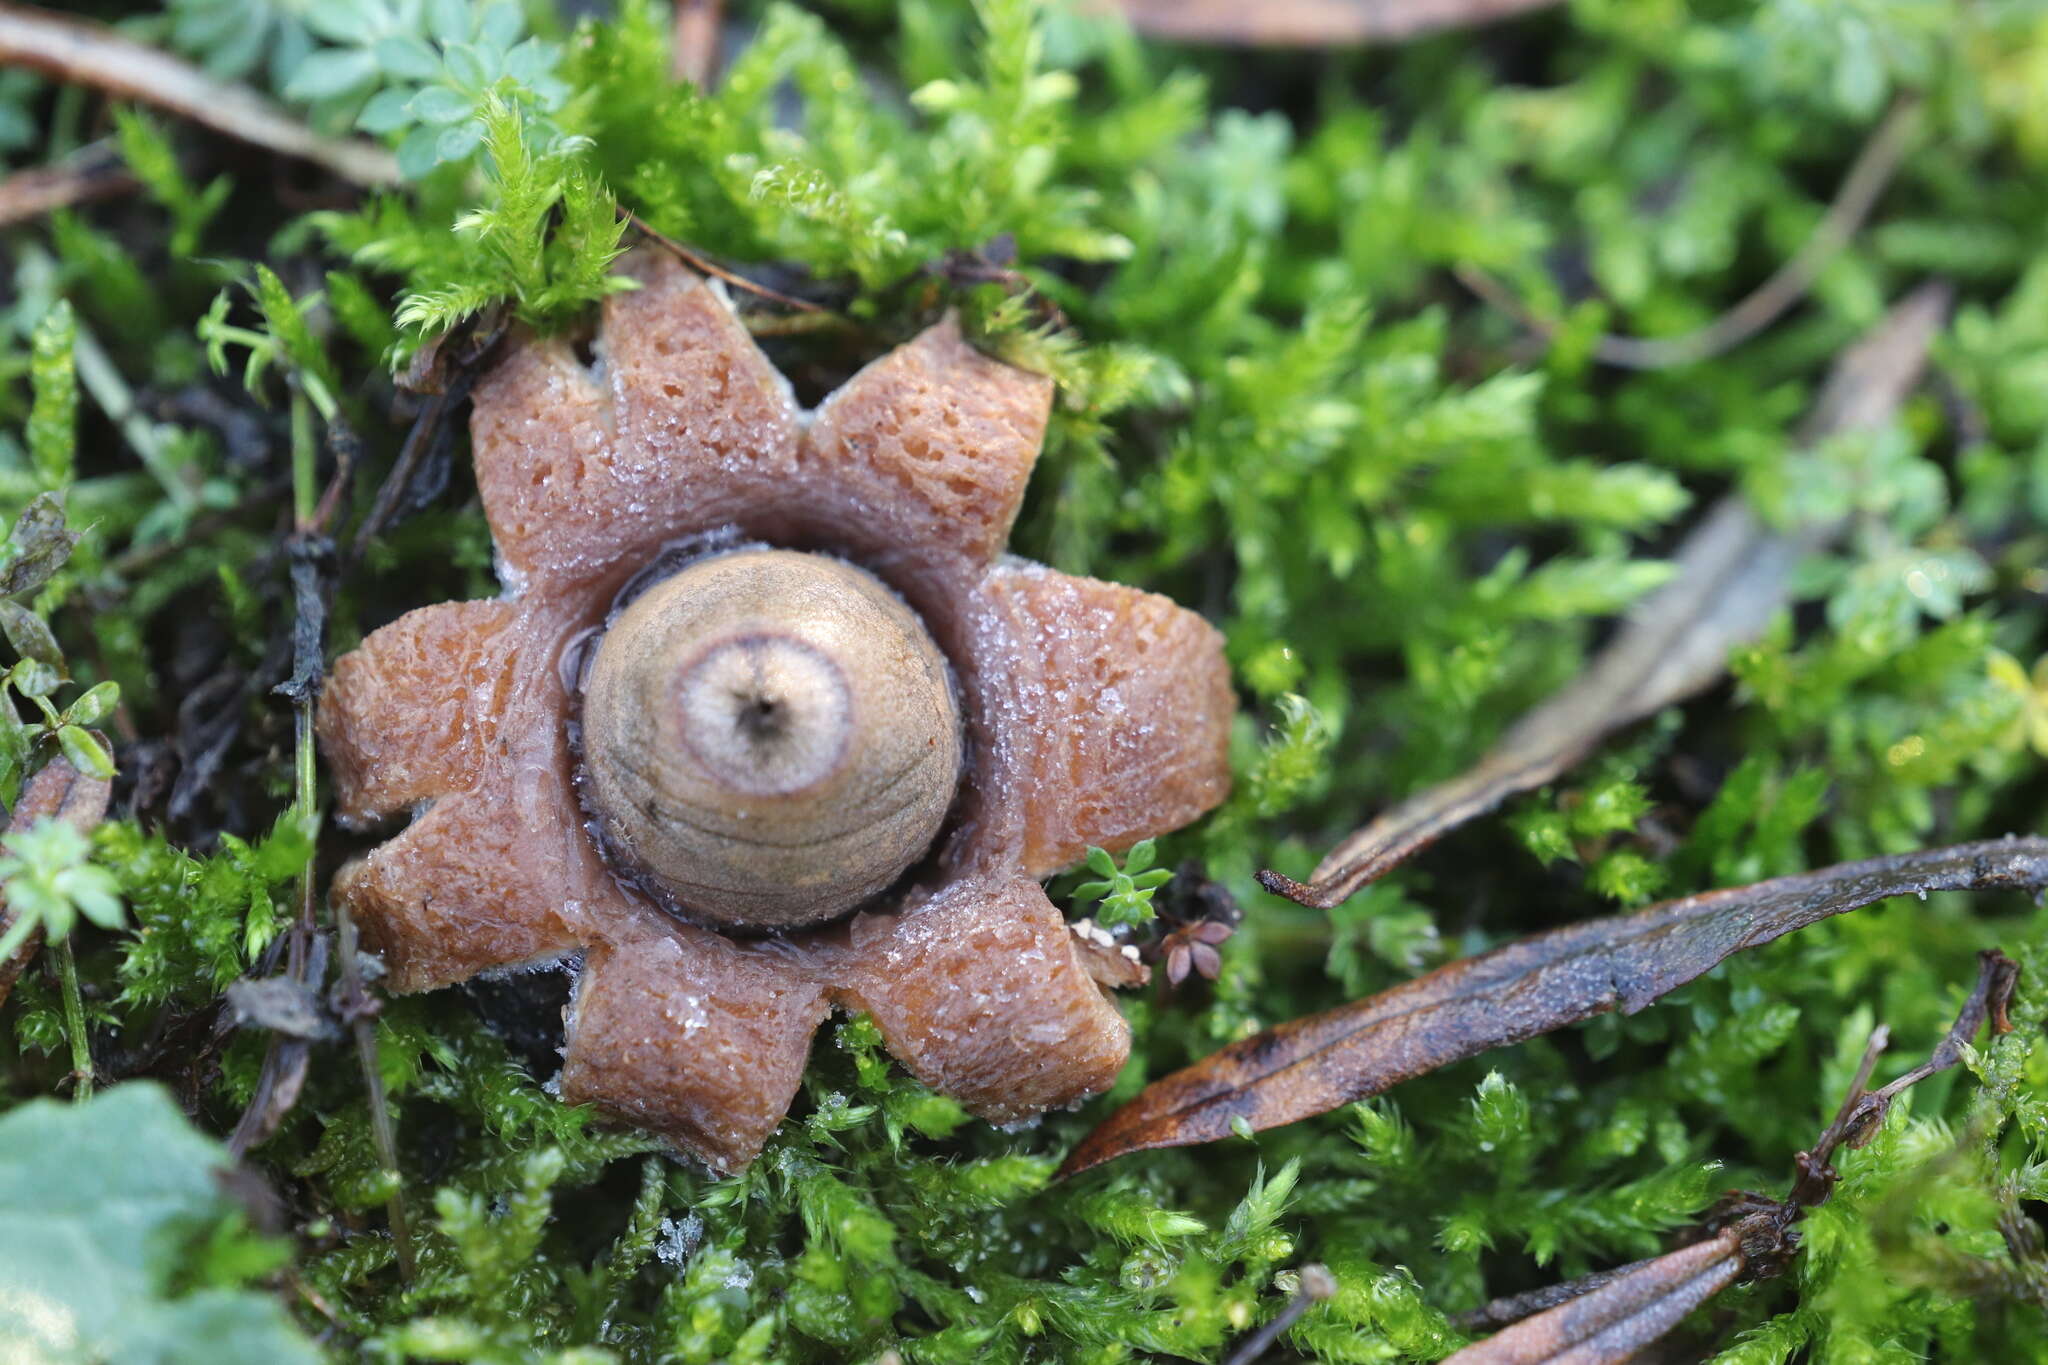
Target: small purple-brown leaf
(1517,991)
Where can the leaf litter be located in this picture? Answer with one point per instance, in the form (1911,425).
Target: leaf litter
(1518,991)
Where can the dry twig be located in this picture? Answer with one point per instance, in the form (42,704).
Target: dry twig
(704,265)
(86,53)
(1607,1318)
(92,172)
(1317,1285)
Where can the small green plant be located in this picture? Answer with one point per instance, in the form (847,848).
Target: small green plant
(52,884)
(421,71)
(1125,893)
(440,84)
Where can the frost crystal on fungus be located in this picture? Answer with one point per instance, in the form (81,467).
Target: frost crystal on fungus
(1090,714)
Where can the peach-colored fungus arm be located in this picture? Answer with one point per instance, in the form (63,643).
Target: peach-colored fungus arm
(405,717)
(586,471)
(981,993)
(692,1036)
(933,443)
(1124,722)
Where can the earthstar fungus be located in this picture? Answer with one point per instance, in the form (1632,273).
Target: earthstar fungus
(765,723)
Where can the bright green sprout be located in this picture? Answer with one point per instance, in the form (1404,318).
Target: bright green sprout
(51,884)
(1126,892)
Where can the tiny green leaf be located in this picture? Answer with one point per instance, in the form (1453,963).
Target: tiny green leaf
(87,753)
(53,420)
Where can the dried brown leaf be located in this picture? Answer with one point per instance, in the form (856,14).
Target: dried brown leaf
(1733,576)
(1309,23)
(1312,1065)
(1610,1315)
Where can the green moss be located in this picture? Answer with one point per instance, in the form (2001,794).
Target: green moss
(1276,405)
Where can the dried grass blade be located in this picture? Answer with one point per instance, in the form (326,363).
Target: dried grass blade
(1733,576)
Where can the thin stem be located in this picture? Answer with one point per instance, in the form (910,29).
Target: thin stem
(698,261)
(305,465)
(74,1020)
(383,1132)
(309,514)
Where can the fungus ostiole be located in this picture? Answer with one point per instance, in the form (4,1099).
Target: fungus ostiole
(769,739)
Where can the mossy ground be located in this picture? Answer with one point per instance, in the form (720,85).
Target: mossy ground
(1278,406)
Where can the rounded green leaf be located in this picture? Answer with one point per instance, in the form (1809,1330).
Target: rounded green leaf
(448,20)
(95,705)
(387,111)
(501,24)
(441,104)
(459,141)
(466,67)
(416,155)
(407,58)
(325,75)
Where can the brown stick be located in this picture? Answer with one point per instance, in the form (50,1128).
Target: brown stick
(1610,1324)
(1512,1308)
(1317,1286)
(93,172)
(1733,576)
(85,53)
(1863,1112)
(1606,1318)
(1518,991)
(1873,170)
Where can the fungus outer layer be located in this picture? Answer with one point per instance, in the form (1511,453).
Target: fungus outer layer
(1091,713)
